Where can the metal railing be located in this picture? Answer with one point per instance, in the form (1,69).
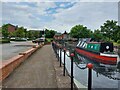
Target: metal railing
(62,46)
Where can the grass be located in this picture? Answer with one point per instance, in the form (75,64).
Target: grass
(49,39)
(116,44)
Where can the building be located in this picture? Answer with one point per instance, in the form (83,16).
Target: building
(66,36)
(11,28)
(59,36)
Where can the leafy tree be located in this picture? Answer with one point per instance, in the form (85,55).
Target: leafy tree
(49,33)
(108,28)
(36,34)
(97,35)
(20,32)
(116,34)
(79,31)
(29,34)
(5,32)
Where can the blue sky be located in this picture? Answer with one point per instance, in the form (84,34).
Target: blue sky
(59,16)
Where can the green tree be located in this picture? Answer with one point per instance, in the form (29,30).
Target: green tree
(5,32)
(79,31)
(97,35)
(108,29)
(20,32)
(116,34)
(36,34)
(49,33)
(29,34)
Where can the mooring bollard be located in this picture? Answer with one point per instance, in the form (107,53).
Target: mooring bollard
(64,63)
(90,66)
(72,55)
(60,55)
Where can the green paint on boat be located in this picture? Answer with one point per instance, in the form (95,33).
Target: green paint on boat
(93,47)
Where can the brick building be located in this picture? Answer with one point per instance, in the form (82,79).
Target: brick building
(11,28)
(59,36)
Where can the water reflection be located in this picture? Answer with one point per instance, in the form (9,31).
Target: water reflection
(104,77)
(109,74)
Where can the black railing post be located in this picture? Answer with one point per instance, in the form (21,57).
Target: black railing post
(58,52)
(72,55)
(60,55)
(64,63)
(90,66)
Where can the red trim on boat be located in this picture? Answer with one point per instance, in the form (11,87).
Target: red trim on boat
(97,57)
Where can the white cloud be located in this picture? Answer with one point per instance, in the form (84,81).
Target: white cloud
(59,0)
(91,15)
(62,5)
(25,15)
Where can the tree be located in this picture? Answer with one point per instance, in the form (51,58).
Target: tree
(108,28)
(5,32)
(36,34)
(29,34)
(97,36)
(79,31)
(49,33)
(20,32)
(116,34)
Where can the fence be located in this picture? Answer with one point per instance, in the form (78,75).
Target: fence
(58,48)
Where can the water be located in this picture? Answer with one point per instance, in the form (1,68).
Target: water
(102,77)
(14,48)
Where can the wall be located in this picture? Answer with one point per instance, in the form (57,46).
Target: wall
(7,67)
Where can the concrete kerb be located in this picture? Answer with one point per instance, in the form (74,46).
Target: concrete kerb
(7,67)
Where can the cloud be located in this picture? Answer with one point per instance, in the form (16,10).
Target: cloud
(40,15)
(90,14)
(25,14)
(60,0)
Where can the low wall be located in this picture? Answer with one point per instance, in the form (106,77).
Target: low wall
(7,67)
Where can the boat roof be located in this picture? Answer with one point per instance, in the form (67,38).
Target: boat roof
(94,42)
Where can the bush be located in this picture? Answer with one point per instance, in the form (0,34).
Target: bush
(118,41)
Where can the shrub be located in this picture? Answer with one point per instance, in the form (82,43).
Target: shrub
(118,41)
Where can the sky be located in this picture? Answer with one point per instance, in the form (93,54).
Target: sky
(59,15)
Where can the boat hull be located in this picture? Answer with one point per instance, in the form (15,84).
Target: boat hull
(97,57)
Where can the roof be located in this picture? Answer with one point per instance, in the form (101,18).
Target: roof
(58,34)
(65,32)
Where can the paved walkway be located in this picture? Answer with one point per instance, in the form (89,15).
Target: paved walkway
(36,72)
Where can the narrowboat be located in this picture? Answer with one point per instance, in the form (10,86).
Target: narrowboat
(101,52)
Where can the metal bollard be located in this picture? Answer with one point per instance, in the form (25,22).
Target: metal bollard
(60,55)
(72,55)
(90,66)
(64,63)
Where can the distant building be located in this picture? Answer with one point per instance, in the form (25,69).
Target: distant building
(11,28)
(66,36)
(59,36)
